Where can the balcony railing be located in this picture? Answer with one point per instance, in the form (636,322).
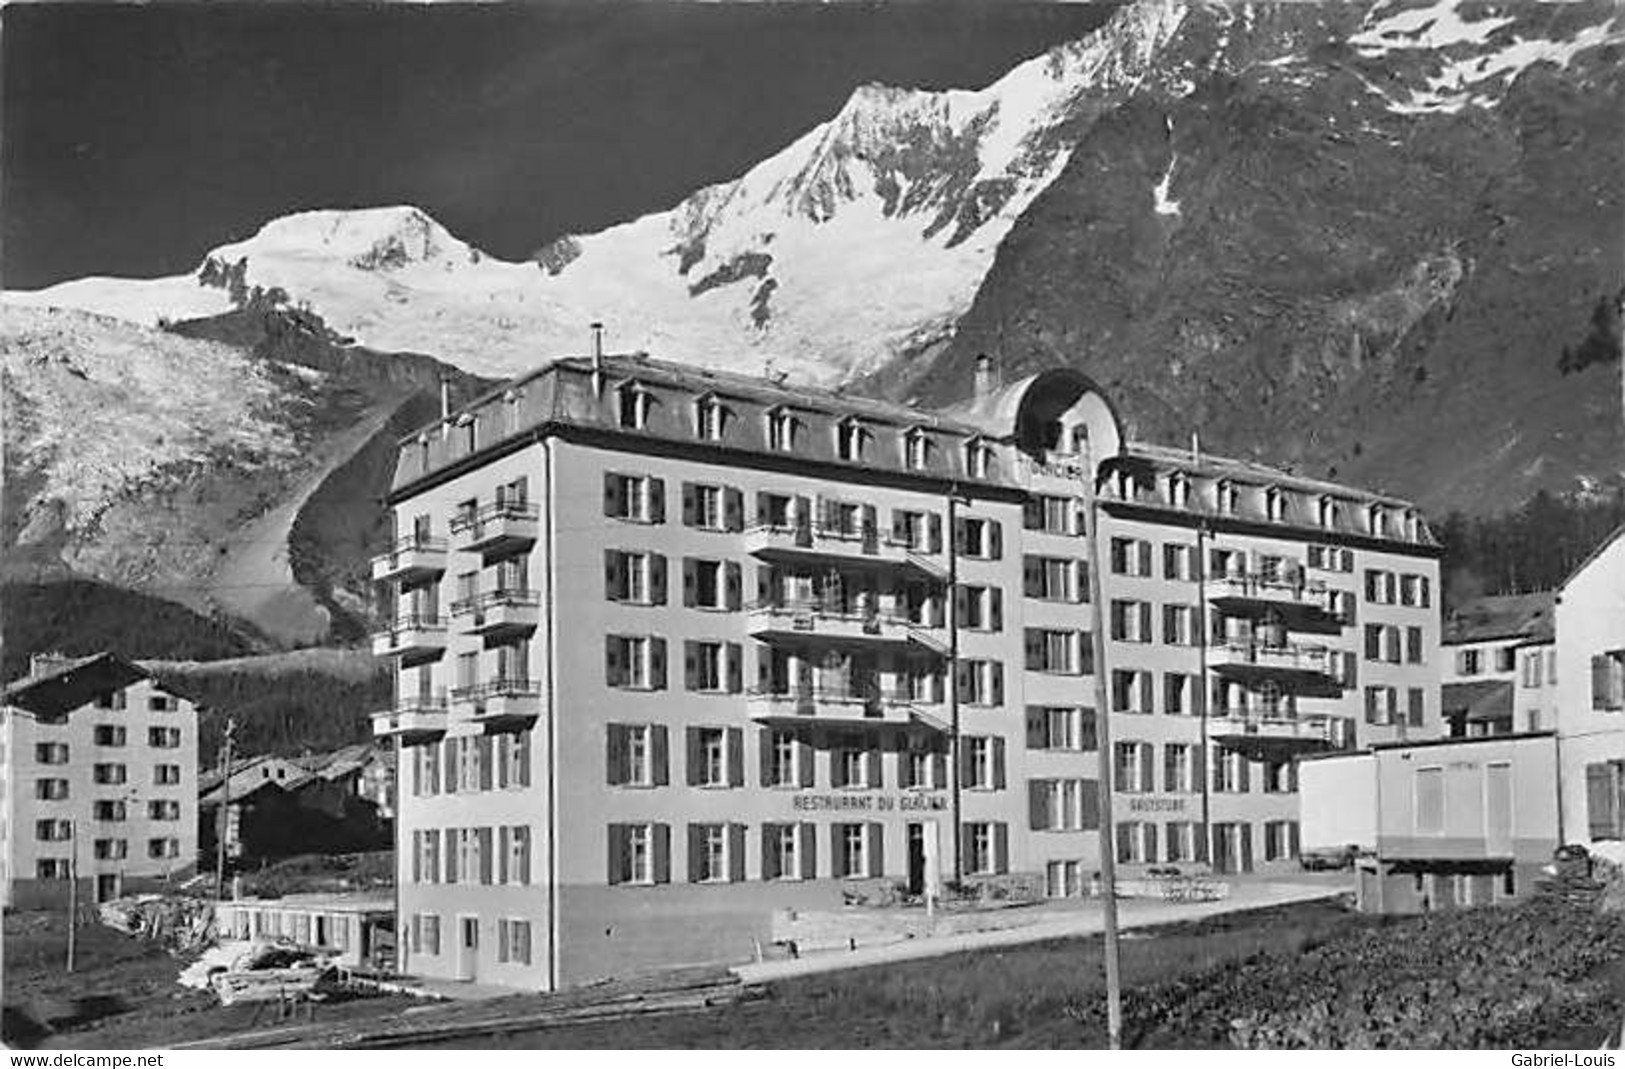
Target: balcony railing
(1263,734)
(868,706)
(412,635)
(864,546)
(411,557)
(794,620)
(502,701)
(498,525)
(1256,659)
(1296,597)
(498,611)
(412,720)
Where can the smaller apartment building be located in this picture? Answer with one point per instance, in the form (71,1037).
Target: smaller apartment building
(1500,665)
(1591,716)
(677,648)
(100,781)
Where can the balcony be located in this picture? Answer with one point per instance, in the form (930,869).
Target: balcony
(807,544)
(499,703)
(412,721)
(503,526)
(498,612)
(412,638)
(1301,605)
(1274,736)
(802,622)
(1305,670)
(411,558)
(838,710)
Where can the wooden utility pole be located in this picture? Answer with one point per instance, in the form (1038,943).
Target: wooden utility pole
(73,890)
(1103,746)
(224,822)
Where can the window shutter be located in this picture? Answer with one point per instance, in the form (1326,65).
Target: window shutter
(963,685)
(1292,838)
(690,582)
(873,772)
(1246,774)
(734,583)
(696,848)
(617,853)
(1032,577)
(772,860)
(1035,650)
(1037,727)
(1170,769)
(1038,804)
(1125,841)
(688,504)
(869,523)
(837,768)
(661,834)
(691,665)
(735,654)
(905,774)
(693,757)
(996,608)
(1602,818)
(998,762)
(736,852)
(657,663)
(614,575)
(417,856)
(504,748)
(733,508)
(967,847)
(483,841)
(1148,767)
(961,536)
(1417,709)
(1001,847)
(736,757)
(615,754)
(522,744)
(876,832)
(614,670)
(1371,705)
(804,762)
(660,757)
(961,604)
(614,499)
(657,500)
(995,540)
(807,847)
(939,770)
(483,750)
(1032,514)
(933,533)
(1145,558)
(998,682)
(966,762)
(1599,686)
(657,579)
(1091,805)
(761,509)
(453,862)
(764,757)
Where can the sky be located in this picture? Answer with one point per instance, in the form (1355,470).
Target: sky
(135,138)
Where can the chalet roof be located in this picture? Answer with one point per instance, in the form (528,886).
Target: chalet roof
(248,775)
(1529,617)
(58,687)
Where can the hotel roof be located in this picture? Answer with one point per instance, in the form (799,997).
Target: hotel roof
(1499,616)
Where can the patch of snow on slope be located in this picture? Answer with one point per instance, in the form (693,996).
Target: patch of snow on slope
(1438,26)
(96,406)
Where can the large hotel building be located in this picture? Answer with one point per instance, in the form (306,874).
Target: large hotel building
(678,648)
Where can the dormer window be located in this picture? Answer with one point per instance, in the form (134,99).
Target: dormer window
(850,436)
(1377,521)
(1128,487)
(1413,525)
(468,432)
(632,406)
(1179,490)
(1328,512)
(978,459)
(709,418)
(1275,504)
(1079,440)
(510,411)
(916,450)
(1226,495)
(781,430)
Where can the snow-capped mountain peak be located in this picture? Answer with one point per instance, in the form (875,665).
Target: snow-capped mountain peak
(368,238)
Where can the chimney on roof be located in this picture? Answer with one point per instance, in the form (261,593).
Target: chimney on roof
(985,375)
(597,357)
(445,402)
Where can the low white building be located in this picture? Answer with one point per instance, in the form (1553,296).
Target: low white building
(1591,684)
(99,781)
